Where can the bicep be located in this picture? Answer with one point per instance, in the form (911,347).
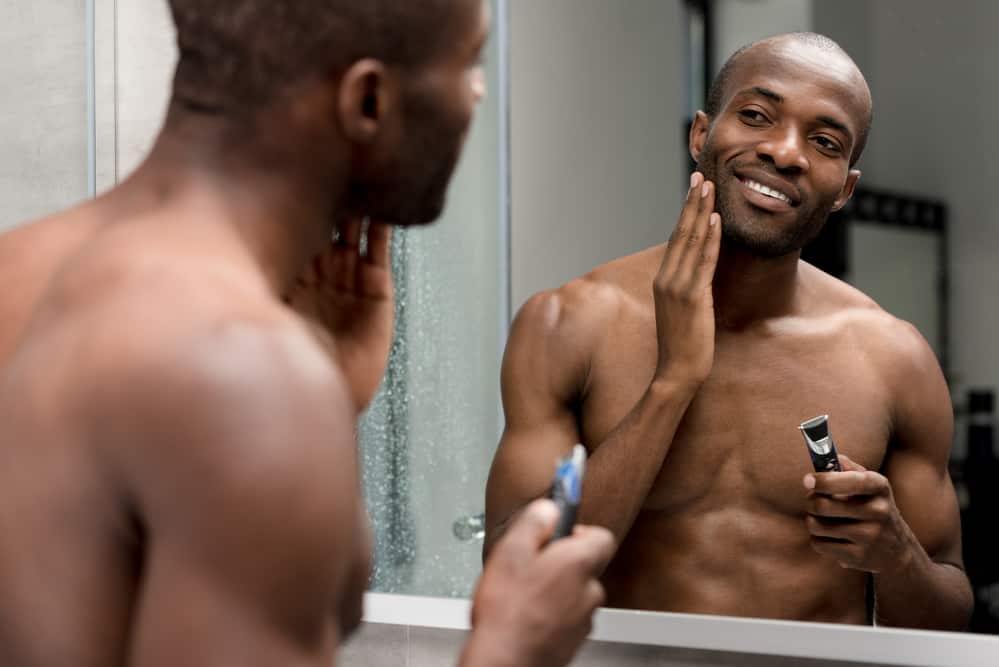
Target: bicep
(524,465)
(918,458)
(541,377)
(925,497)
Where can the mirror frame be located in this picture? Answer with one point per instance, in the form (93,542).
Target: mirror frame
(795,639)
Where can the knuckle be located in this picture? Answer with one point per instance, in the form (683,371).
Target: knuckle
(598,595)
(878,482)
(823,505)
(881,508)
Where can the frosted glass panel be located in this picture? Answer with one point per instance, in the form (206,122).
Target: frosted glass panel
(43,107)
(429,437)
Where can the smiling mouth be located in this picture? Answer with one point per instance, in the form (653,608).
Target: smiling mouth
(764,190)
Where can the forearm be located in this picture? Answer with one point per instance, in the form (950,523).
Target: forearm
(483,649)
(639,445)
(923,594)
(474,654)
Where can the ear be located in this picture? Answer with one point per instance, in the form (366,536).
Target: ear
(698,135)
(847,191)
(367,96)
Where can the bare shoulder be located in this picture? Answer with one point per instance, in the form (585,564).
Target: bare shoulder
(182,369)
(589,306)
(893,341)
(557,333)
(904,359)
(232,437)
(247,355)
(29,256)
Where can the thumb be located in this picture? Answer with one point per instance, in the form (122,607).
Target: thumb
(528,534)
(849,464)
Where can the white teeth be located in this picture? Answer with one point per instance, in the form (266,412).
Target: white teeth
(762,189)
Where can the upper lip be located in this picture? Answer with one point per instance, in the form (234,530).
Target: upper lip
(782,186)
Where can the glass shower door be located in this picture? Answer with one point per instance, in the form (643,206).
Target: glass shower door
(428,439)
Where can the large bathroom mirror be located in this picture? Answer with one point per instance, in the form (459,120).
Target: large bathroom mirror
(578,157)
(599,157)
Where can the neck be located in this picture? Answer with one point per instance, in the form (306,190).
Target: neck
(267,191)
(749,289)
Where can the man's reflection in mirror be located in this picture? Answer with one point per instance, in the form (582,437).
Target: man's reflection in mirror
(685,370)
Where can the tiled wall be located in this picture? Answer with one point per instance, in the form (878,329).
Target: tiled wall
(377,645)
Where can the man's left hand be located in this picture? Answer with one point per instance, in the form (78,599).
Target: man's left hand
(348,297)
(852,518)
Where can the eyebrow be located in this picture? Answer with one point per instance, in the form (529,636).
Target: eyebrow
(836,125)
(765,92)
(779,99)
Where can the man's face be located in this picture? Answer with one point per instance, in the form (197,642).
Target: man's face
(779,149)
(437,104)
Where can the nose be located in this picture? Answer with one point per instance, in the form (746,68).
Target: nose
(785,148)
(479,88)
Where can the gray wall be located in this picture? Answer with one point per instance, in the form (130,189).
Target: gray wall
(739,22)
(598,140)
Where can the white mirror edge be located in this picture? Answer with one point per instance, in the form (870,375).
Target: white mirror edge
(820,641)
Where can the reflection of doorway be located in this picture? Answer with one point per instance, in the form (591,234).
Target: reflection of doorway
(894,249)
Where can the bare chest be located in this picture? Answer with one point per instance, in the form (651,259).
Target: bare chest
(738,442)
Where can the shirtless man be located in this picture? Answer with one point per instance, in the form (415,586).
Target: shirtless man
(685,370)
(179,477)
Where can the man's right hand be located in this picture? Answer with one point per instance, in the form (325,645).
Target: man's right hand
(685,317)
(534,604)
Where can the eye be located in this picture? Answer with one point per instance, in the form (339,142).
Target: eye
(753,117)
(827,144)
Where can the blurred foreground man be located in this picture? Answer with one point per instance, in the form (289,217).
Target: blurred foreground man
(178,473)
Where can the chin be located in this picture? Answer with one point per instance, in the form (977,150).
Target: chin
(759,245)
(429,210)
(430,215)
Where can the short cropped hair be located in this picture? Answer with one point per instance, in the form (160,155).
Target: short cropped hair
(716,94)
(239,54)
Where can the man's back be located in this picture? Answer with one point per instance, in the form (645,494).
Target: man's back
(110,465)
(722,529)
